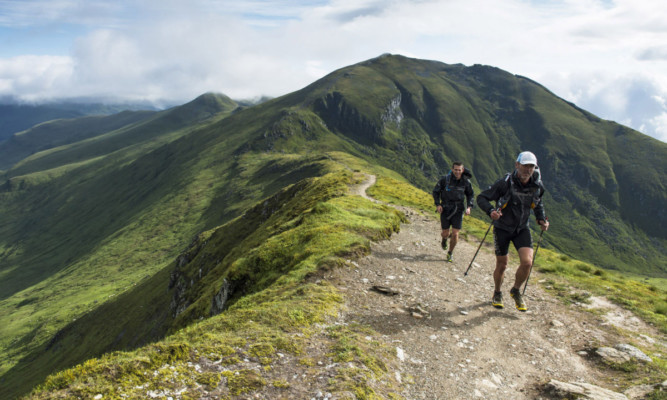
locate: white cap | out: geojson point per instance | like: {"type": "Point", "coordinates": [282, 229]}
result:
{"type": "Point", "coordinates": [526, 157]}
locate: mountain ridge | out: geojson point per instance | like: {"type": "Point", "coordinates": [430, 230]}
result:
{"type": "Point", "coordinates": [118, 209]}
{"type": "Point", "coordinates": [515, 123]}
{"type": "Point", "coordinates": [389, 341]}
{"type": "Point", "coordinates": [17, 116]}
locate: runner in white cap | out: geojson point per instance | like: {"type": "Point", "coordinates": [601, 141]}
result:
{"type": "Point", "coordinates": [515, 195]}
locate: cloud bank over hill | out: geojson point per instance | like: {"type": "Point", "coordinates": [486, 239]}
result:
{"type": "Point", "coordinates": [606, 57]}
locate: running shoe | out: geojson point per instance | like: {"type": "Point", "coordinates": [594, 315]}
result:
{"type": "Point", "coordinates": [444, 243]}
{"type": "Point", "coordinates": [449, 258]}
{"type": "Point", "coordinates": [497, 300]}
{"type": "Point", "coordinates": [518, 299]}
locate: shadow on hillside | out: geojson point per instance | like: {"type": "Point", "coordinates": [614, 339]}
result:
{"type": "Point", "coordinates": [390, 324]}
{"type": "Point", "coordinates": [67, 221]}
{"type": "Point", "coordinates": [131, 320]}
{"type": "Point", "coordinates": [267, 181]}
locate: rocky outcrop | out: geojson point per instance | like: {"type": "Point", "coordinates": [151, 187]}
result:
{"type": "Point", "coordinates": [622, 353]}
{"type": "Point", "coordinates": [220, 299]}
{"type": "Point", "coordinates": [346, 119]}
{"type": "Point", "coordinates": [641, 391]}
{"type": "Point", "coordinates": [587, 391]}
{"type": "Point", "coordinates": [180, 281]}
{"type": "Point", "coordinates": [393, 113]}
{"type": "Point", "coordinates": [582, 390]}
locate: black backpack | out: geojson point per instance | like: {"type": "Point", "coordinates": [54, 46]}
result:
{"type": "Point", "coordinates": [537, 178]}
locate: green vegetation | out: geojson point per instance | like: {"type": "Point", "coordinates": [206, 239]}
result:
{"type": "Point", "coordinates": [156, 221]}
{"type": "Point", "coordinates": [575, 281]}
{"type": "Point", "coordinates": [392, 191]}
{"type": "Point", "coordinates": [564, 273]}
{"type": "Point", "coordinates": [96, 250]}
{"type": "Point", "coordinates": [277, 316]}
{"type": "Point", "coordinates": [288, 313]}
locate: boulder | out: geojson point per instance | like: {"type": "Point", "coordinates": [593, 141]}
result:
{"type": "Point", "coordinates": [639, 392]}
{"type": "Point", "coordinates": [633, 352]}
{"type": "Point", "coordinates": [582, 390]}
{"type": "Point", "coordinates": [613, 355]}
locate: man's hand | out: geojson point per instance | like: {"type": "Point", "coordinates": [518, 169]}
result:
{"type": "Point", "coordinates": [439, 209]}
{"type": "Point", "coordinates": [495, 215]}
{"type": "Point", "coordinates": [544, 225]}
{"type": "Point", "coordinates": [468, 211]}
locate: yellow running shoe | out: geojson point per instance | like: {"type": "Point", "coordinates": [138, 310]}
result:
{"type": "Point", "coordinates": [497, 300]}
{"type": "Point", "coordinates": [518, 299]}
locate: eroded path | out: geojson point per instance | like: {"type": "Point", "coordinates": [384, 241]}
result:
{"type": "Point", "coordinates": [452, 344]}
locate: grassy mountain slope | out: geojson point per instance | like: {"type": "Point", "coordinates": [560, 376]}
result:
{"type": "Point", "coordinates": [15, 118]}
{"type": "Point", "coordinates": [273, 309]}
{"type": "Point", "coordinates": [89, 220]}
{"type": "Point", "coordinates": [604, 180]}
{"type": "Point", "coordinates": [94, 188]}
{"type": "Point", "coordinates": [276, 243]}
{"type": "Point", "coordinates": [62, 132]}
{"type": "Point", "coordinates": [78, 234]}
{"type": "Point", "coordinates": [118, 223]}
{"type": "Point", "coordinates": [81, 140]}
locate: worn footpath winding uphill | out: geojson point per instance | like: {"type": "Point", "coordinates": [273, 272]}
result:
{"type": "Point", "coordinates": [450, 342]}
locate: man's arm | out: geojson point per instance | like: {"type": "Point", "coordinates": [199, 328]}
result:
{"type": "Point", "coordinates": [470, 195]}
{"type": "Point", "coordinates": [540, 214]}
{"type": "Point", "coordinates": [437, 190]}
{"type": "Point", "coordinates": [492, 193]}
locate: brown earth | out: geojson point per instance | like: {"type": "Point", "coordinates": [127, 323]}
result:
{"type": "Point", "coordinates": [435, 331]}
{"type": "Point", "coordinates": [450, 342]}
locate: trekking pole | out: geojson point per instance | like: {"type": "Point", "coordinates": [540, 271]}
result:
{"type": "Point", "coordinates": [480, 246]}
{"type": "Point", "coordinates": [533, 262]}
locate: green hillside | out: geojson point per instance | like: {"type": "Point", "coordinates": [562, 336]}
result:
{"type": "Point", "coordinates": [62, 132]}
{"type": "Point", "coordinates": [604, 181]}
{"type": "Point", "coordinates": [18, 116]}
{"type": "Point", "coordinates": [252, 291]}
{"type": "Point", "coordinates": [96, 231]}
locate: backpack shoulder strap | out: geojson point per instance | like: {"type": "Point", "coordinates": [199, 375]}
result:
{"type": "Point", "coordinates": [448, 177]}
{"type": "Point", "coordinates": [502, 202]}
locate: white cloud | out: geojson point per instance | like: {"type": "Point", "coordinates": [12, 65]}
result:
{"type": "Point", "coordinates": [635, 100]}
{"type": "Point", "coordinates": [33, 78]}
{"type": "Point", "coordinates": [659, 126]}
{"type": "Point", "coordinates": [607, 57]}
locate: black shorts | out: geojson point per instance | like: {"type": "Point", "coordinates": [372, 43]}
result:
{"type": "Point", "coordinates": [451, 217]}
{"type": "Point", "coordinates": [502, 238]}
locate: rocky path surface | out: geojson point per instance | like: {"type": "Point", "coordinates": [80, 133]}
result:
{"type": "Point", "coordinates": [451, 343]}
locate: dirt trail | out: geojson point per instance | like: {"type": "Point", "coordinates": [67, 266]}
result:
{"type": "Point", "coordinates": [451, 342]}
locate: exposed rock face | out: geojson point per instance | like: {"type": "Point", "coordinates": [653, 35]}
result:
{"type": "Point", "coordinates": [622, 353]}
{"type": "Point", "coordinates": [640, 392]}
{"type": "Point", "coordinates": [612, 355]}
{"type": "Point", "coordinates": [220, 298]}
{"type": "Point", "coordinates": [582, 390]}
{"type": "Point", "coordinates": [633, 352]}
{"type": "Point", "coordinates": [393, 113]}
{"type": "Point", "coordinates": [345, 118]}
{"type": "Point", "coordinates": [178, 279]}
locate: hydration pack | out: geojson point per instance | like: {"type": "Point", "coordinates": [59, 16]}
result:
{"type": "Point", "coordinates": [535, 190]}
{"type": "Point", "coordinates": [466, 175]}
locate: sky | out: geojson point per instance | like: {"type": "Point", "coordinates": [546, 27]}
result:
{"type": "Point", "coordinates": [608, 57]}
